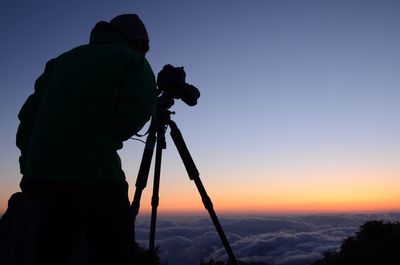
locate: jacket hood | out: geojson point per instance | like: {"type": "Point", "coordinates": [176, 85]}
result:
{"type": "Point", "coordinates": [105, 33]}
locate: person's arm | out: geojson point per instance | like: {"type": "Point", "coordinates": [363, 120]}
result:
{"type": "Point", "coordinates": [137, 99]}
{"type": "Point", "coordinates": [27, 116]}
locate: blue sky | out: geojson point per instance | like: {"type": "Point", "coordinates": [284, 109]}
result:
{"type": "Point", "coordinates": [299, 106]}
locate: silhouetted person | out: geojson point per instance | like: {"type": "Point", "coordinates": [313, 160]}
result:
{"type": "Point", "coordinates": [85, 104]}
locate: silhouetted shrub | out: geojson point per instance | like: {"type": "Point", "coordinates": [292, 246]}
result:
{"type": "Point", "coordinates": [376, 243]}
{"type": "Point", "coordinates": [143, 257]}
{"type": "Point", "coordinates": [213, 262]}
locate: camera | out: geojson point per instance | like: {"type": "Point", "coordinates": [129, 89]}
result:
{"type": "Point", "coordinates": [172, 85]}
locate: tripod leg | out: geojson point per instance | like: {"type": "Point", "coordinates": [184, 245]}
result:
{"type": "Point", "coordinates": [161, 144]}
{"type": "Point", "coordinates": [143, 174]}
{"type": "Point", "coordinates": [194, 175]}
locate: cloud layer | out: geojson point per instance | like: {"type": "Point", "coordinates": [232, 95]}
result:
{"type": "Point", "coordinates": [284, 240]}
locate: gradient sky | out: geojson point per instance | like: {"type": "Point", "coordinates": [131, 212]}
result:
{"type": "Point", "coordinates": [300, 99]}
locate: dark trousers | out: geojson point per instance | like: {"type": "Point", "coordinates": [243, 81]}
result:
{"type": "Point", "coordinates": [100, 212]}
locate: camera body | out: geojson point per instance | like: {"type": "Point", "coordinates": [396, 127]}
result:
{"type": "Point", "coordinates": [171, 84]}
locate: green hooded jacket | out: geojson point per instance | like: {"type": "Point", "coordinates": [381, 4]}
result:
{"type": "Point", "coordinates": [86, 103]}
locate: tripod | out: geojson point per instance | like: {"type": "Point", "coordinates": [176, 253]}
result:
{"type": "Point", "coordinates": [158, 127]}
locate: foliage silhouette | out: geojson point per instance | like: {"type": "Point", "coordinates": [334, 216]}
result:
{"type": "Point", "coordinates": [143, 257]}
{"type": "Point", "coordinates": [376, 243]}
{"type": "Point", "coordinates": [213, 262]}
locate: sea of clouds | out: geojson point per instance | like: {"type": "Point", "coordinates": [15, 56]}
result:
{"type": "Point", "coordinates": [276, 240]}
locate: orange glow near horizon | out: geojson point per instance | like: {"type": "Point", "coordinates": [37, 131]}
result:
{"type": "Point", "coordinates": [300, 202]}
{"type": "Point", "coordinates": [278, 207]}
{"type": "Point", "coordinates": [259, 204]}
{"type": "Point", "coordinates": [316, 193]}
{"type": "Point", "coordinates": [298, 195]}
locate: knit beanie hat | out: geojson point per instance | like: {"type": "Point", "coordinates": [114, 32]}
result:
{"type": "Point", "coordinates": [131, 26]}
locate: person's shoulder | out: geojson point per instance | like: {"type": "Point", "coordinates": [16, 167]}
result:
{"type": "Point", "coordinates": [73, 50]}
